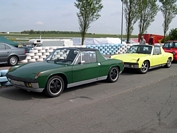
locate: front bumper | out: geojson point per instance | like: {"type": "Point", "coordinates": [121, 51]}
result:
{"type": "Point", "coordinates": [131, 65]}
{"type": "Point", "coordinates": [26, 84]}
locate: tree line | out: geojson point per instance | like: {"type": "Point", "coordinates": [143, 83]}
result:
{"type": "Point", "coordinates": [50, 32]}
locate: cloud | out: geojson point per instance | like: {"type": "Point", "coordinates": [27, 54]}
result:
{"type": "Point", "coordinates": [39, 23]}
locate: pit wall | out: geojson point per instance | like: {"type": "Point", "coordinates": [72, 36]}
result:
{"type": "Point", "coordinates": [38, 54]}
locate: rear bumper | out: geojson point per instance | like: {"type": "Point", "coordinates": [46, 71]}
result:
{"type": "Point", "coordinates": [22, 57]}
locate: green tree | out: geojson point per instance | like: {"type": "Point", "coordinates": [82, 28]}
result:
{"type": "Point", "coordinates": [88, 13]}
{"type": "Point", "coordinates": [169, 11]}
{"type": "Point", "coordinates": [173, 34]}
{"type": "Point", "coordinates": [131, 16]}
{"type": "Point", "coordinates": [147, 11]}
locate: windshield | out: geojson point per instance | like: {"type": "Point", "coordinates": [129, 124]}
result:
{"type": "Point", "coordinates": [140, 49]}
{"type": "Point", "coordinates": [63, 55]}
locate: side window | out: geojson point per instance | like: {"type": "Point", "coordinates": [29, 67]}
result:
{"type": "Point", "coordinates": [157, 51]}
{"type": "Point", "coordinates": [175, 44]}
{"type": "Point", "coordinates": [85, 57]}
{"type": "Point", "coordinates": [7, 47]}
{"type": "Point", "coordinates": [2, 47]}
{"type": "Point", "coordinates": [89, 56]}
{"type": "Point", "coordinates": [93, 57]}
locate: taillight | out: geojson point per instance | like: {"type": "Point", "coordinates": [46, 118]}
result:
{"type": "Point", "coordinates": [24, 51]}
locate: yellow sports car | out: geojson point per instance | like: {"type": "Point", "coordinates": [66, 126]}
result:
{"type": "Point", "coordinates": [145, 57]}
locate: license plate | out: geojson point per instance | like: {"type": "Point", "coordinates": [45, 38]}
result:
{"type": "Point", "coordinates": [17, 82]}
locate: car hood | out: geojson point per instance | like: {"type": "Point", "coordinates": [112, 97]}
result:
{"type": "Point", "coordinates": [30, 70]}
{"type": "Point", "coordinates": [129, 57]}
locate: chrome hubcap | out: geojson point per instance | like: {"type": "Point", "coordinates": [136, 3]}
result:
{"type": "Point", "coordinates": [144, 67]}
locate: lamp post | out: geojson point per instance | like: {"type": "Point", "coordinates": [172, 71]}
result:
{"type": "Point", "coordinates": [122, 22]}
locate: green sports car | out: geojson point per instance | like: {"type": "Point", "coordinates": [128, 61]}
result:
{"type": "Point", "coordinates": [65, 68]}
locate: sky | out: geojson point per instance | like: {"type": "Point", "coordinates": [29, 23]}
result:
{"type": "Point", "coordinates": [60, 15]}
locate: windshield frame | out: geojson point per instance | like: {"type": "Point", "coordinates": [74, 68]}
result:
{"type": "Point", "coordinates": [67, 53]}
{"type": "Point", "coordinates": [140, 49]}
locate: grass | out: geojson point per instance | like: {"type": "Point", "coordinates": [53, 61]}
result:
{"type": "Point", "coordinates": [18, 37]}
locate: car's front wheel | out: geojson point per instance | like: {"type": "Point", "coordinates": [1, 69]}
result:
{"type": "Point", "coordinates": [55, 86]}
{"type": "Point", "coordinates": [13, 60]}
{"type": "Point", "coordinates": [113, 74]}
{"type": "Point", "coordinates": [145, 67]}
{"type": "Point", "coordinates": [168, 64]}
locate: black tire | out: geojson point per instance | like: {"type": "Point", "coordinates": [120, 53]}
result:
{"type": "Point", "coordinates": [13, 60]}
{"type": "Point", "coordinates": [54, 87]}
{"type": "Point", "coordinates": [169, 62]}
{"type": "Point", "coordinates": [113, 74]}
{"type": "Point", "coordinates": [144, 68]}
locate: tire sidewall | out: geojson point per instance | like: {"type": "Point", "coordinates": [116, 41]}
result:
{"type": "Point", "coordinates": [143, 72]}
{"type": "Point", "coordinates": [109, 75]}
{"type": "Point", "coordinates": [47, 89]}
{"type": "Point", "coordinates": [168, 65]}
{"type": "Point", "coordinates": [12, 57]}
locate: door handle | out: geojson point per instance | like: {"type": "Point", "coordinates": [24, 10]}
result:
{"type": "Point", "coordinates": [99, 64]}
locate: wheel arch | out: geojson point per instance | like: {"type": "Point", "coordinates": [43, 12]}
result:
{"type": "Point", "coordinates": [114, 66]}
{"type": "Point", "coordinates": [13, 55]}
{"type": "Point", "coordinates": [63, 76]}
{"type": "Point", "coordinates": [148, 62]}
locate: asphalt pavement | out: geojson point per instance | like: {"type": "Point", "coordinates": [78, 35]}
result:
{"type": "Point", "coordinates": [136, 103]}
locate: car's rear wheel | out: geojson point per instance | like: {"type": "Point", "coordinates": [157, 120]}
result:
{"type": "Point", "coordinates": [113, 74]}
{"type": "Point", "coordinates": [168, 64]}
{"type": "Point", "coordinates": [13, 60]}
{"type": "Point", "coordinates": [55, 86]}
{"type": "Point", "coordinates": [145, 67]}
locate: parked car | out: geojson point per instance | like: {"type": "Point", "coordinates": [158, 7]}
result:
{"type": "Point", "coordinates": [171, 47]}
{"type": "Point", "coordinates": [145, 57]}
{"type": "Point", "coordinates": [65, 68]}
{"type": "Point", "coordinates": [10, 54]}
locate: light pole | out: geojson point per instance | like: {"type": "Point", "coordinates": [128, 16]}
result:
{"type": "Point", "coordinates": [122, 22]}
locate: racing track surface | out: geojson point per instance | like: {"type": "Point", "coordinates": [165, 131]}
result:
{"type": "Point", "coordinates": [136, 103]}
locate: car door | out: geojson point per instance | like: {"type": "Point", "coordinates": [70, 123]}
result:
{"type": "Point", "coordinates": [168, 46]}
{"type": "Point", "coordinates": [4, 52]}
{"type": "Point", "coordinates": [157, 57]}
{"type": "Point", "coordinates": [86, 67]}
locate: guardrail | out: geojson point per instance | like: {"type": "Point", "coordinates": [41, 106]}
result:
{"type": "Point", "coordinates": [3, 78]}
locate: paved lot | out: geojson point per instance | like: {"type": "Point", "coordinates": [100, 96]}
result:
{"type": "Point", "coordinates": [137, 103]}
